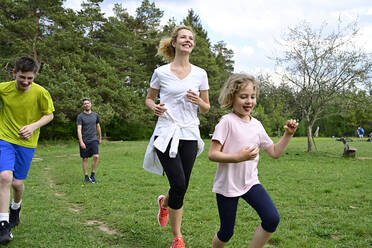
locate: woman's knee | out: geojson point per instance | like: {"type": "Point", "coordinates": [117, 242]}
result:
{"type": "Point", "coordinates": [176, 196]}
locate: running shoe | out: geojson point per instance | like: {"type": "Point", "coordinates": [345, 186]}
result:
{"type": "Point", "coordinates": [87, 179]}
{"type": "Point", "coordinates": [163, 212]}
{"type": "Point", "coordinates": [5, 233]}
{"type": "Point", "coordinates": [178, 243]}
{"type": "Point", "coordinates": [93, 179]}
{"type": "Point", "coordinates": [14, 217]}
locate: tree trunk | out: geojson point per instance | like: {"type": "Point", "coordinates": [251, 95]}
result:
{"type": "Point", "coordinates": [309, 138]}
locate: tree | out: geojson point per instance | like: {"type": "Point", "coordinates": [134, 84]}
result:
{"type": "Point", "coordinates": [277, 104]}
{"type": "Point", "coordinates": [319, 64]}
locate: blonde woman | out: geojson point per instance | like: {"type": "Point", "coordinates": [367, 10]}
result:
{"type": "Point", "coordinates": [183, 90]}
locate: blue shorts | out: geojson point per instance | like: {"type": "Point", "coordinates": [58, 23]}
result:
{"type": "Point", "coordinates": [91, 149]}
{"type": "Point", "coordinates": [15, 158]}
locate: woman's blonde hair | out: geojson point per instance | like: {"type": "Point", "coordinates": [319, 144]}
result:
{"type": "Point", "coordinates": [166, 50]}
{"type": "Point", "coordinates": [233, 85]}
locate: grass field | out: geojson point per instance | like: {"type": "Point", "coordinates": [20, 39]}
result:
{"type": "Point", "coordinates": [324, 200]}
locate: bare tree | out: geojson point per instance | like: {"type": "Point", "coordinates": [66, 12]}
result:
{"type": "Point", "coordinates": [318, 64]}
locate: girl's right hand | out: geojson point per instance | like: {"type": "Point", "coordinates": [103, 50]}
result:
{"type": "Point", "coordinates": [159, 109]}
{"type": "Point", "coordinates": [247, 153]}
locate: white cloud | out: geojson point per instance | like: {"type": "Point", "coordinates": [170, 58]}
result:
{"type": "Point", "coordinates": [73, 4]}
{"type": "Point", "coordinates": [364, 40]}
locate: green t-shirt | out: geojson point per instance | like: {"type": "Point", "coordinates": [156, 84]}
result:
{"type": "Point", "coordinates": [20, 109]}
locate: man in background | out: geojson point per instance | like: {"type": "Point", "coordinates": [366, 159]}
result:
{"type": "Point", "coordinates": [89, 134]}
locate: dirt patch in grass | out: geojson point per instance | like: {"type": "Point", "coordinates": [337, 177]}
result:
{"type": "Point", "coordinates": [75, 208]}
{"type": "Point", "coordinates": [364, 158]}
{"type": "Point", "coordinates": [336, 237]}
{"type": "Point", "coordinates": [102, 226]}
{"type": "Point", "coordinates": [60, 194]}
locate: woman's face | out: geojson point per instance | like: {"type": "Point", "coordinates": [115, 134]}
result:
{"type": "Point", "coordinates": [184, 42]}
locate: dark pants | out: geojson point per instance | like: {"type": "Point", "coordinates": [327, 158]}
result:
{"type": "Point", "coordinates": [178, 170]}
{"type": "Point", "coordinates": [259, 199]}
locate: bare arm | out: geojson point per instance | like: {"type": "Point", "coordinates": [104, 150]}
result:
{"type": "Point", "coordinates": [276, 150]}
{"type": "Point", "coordinates": [202, 101]}
{"type": "Point", "coordinates": [215, 154]}
{"type": "Point", "coordinates": [26, 131]}
{"type": "Point", "coordinates": [99, 134]}
{"type": "Point", "coordinates": [80, 137]}
{"type": "Point", "coordinates": [158, 109]}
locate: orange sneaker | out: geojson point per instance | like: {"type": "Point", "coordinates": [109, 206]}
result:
{"type": "Point", "coordinates": [163, 212]}
{"type": "Point", "coordinates": [178, 243]}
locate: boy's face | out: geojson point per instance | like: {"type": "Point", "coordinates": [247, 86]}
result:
{"type": "Point", "coordinates": [24, 80]}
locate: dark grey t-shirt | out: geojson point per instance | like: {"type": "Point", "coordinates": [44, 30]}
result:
{"type": "Point", "coordinates": [88, 124]}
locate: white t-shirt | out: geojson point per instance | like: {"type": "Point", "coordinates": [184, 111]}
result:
{"type": "Point", "coordinates": [233, 133]}
{"type": "Point", "coordinates": [172, 91]}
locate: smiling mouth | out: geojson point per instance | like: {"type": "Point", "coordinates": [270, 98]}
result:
{"type": "Point", "coordinates": [247, 108]}
{"type": "Point", "coordinates": [25, 85]}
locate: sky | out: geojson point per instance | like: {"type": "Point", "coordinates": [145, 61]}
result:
{"type": "Point", "coordinates": [252, 28]}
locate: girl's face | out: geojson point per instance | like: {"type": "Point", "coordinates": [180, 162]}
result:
{"type": "Point", "coordinates": [184, 42]}
{"type": "Point", "coordinates": [244, 101]}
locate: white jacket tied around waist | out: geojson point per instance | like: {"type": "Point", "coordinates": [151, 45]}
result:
{"type": "Point", "coordinates": [168, 129]}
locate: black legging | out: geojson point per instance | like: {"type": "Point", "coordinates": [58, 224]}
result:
{"type": "Point", "coordinates": [259, 199]}
{"type": "Point", "coordinates": [178, 170]}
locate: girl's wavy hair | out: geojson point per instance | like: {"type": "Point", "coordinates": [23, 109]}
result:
{"type": "Point", "coordinates": [233, 85]}
{"type": "Point", "coordinates": [166, 50]}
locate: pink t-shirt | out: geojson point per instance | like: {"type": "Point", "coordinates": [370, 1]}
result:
{"type": "Point", "coordinates": [235, 179]}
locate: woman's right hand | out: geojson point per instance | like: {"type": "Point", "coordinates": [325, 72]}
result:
{"type": "Point", "coordinates": [247, 153]}
{"type": "Point", "coordinates": [159, 109]}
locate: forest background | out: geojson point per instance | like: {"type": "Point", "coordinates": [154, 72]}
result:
{"type": "Point", "coordinates": [111, 60]}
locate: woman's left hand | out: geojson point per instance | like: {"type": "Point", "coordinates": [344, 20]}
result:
{"type": "Point", "coordinates": [193, 97]}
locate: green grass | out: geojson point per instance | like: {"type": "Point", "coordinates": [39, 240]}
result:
{"type": "Point", "coordinates": [324, 200]}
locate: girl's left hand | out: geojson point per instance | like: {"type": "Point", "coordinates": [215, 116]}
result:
{"type": "Point", "coordinates": [193, 97]}
{"type": "Point", "coordinates": [291, 126]}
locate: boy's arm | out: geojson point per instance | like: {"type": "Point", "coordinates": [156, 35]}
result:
{"type": "Point", "coordinates": [276, 150]}
{"type": "Point", "coordinates": [26, 131]}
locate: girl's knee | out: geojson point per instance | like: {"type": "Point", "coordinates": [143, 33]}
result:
{"type": "Point", "coordinates": [270, 224]}
{"type": "Point", "coordinates": [225, 235]}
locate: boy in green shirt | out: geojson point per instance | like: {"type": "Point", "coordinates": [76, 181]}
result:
{"type": "Point", "coordinates": [27, 106]}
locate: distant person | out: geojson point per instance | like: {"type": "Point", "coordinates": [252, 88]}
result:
{"type": "Point", "coordinates": [26, 107]}
{"type": "Point", "coordinates": [89, 134]}
{"type": "Point", "coordinates": [360, 133]}
{"type": "Point", "coordinates": [183, 89]}
{"type": "Point", "coordinates": [235, 145]}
